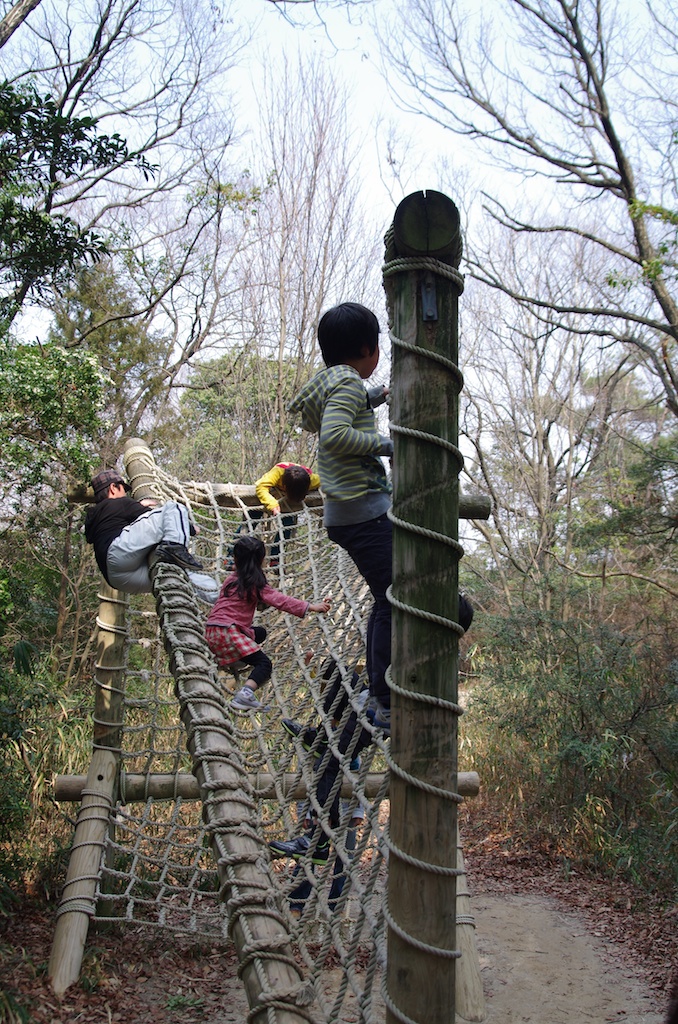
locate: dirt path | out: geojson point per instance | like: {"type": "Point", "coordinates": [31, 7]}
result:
{"type": "Point", "coordinates": [541, 964]}
{"type": "Point", "coordinates": [555, 947]}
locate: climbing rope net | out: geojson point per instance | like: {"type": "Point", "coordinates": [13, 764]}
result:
{"type": "Point", "coordinates": [157, 867]}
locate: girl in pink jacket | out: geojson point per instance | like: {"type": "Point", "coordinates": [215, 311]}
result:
{"type": "Point", "coordinates": [229, 631]}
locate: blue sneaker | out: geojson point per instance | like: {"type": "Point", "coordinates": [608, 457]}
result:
{"type": "Point", "coordinates": [378, 716]}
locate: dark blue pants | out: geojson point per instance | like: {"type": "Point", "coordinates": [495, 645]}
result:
{"type": "Point", "coordinates": [299, 895]}
{"type": "Point", "coordinates": [288, 523]}
{"type": "Point", "coordinates": [370, 545]}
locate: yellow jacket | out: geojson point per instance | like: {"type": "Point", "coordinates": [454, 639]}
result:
{"type": "Point", "coordinates": [271, 480]}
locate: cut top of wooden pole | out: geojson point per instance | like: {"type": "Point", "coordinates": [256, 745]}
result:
{"type": "Point", "coordinates": [427, 224]}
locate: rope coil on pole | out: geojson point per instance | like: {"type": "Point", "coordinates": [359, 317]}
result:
{"type": "Point", "coordinates": [422, 282]}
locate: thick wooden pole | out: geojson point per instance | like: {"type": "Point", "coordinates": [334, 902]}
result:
{"type": "Point", "coordinates": [471, 506]}
{"type": "Point", "coordinates": [422, 286]}
{"type": "Point", "coordinates": [77, 904]}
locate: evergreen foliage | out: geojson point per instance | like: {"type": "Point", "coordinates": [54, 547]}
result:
{"type": "Point", "coordinates": [225, 416]}
{"type": "Point", "coordinates": [40, 147]}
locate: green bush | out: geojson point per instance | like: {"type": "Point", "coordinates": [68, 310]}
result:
{"type": "Point", "coordinates": [41, 732]}
{"type": "Point", "coordinates": [573, 728]}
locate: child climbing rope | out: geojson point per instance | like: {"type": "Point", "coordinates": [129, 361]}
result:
{"type": "Point", "coordinates": [229, 631]}
{"type": "Point", "coordinates": [285, 480]}
{"type": "Point", "coordinates": [350, 742]}
{"type": "Point", "coordinates": [336, 405]}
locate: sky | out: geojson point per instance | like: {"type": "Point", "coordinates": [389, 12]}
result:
{"type": "Point", "coordinates": [352, 51]}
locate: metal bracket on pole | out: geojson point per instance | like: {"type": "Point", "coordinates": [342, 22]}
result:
{"type": "Point", "coordinates": [429, 306]}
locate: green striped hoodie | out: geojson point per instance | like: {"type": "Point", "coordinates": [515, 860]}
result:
{"type": "Point", "coordinates": [336, 405]}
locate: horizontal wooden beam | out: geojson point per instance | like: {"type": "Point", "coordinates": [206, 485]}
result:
{"type": "Point", "coordinates": [471, 506]}
{"type": "Point", "coordinates": [137, 788]}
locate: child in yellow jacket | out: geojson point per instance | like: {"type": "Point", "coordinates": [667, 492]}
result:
{"type": "Point", "coordinates": [286, 480]}
{"type": "Point", "coordinates": [289, 481]}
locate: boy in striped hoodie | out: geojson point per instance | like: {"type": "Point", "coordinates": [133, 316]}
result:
{"type": "Point", "coordinates": [336, 405]}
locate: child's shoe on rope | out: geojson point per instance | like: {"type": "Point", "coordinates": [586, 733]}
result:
{"type": "Point", "coordinates": [299, 847]}
{"type": "Point", "coordinates": [177, 554]}
{"type": "Point", "coordinates": [306, 735]}
{"type": "Point", "coordinates": [245, 700]}
{"type": "Point", "coordinates": [378, 716]}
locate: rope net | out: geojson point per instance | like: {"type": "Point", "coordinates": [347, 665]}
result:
{"type": "Point", "coordinates": [157, 865]}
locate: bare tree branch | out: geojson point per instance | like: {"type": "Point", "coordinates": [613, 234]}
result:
{"type": "Point", "coordinates": [15, 17]}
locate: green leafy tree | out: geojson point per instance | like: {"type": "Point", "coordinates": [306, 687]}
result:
{"type": "Point", "coordinates": [41, 148]}
{"type": "Point", "coordinates": [225, 420]}
{"type": "Point", "coordinates": [95, 318]}
{"type": "Point", "coordinates": [50, 400]}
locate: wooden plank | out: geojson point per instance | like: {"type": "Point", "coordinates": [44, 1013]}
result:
{"type": "Point", "coordinates": [469, 988]}
{"type": "Point", "coordinates": [471, 506]}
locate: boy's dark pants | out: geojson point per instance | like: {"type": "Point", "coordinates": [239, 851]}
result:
{"type": "Point", "coordinates": [370, 545]}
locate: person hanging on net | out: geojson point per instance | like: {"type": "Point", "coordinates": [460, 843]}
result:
{"type": "Point", "coordinates": [353, 816]}
{"type": "Point", "coordinates": [285, 480]}
{"type": "Point", "coordinates": [229, 631]}
{"type": "Point", "coordinates": [124, 532]}
{"type": "Point", "coordinates": [357, 493]}
{"type": "Point", "coordinates": [343, 691]}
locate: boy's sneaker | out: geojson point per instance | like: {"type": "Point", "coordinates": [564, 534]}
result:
{"type": "Point", "coordinates": [306, 735]}
{"type": "Point", "coordinates": [177, 554]}
{"type": "Point", "coordinates": [245, 700]}
{"type": "Point", "coordinates": [378, 716]}
{"type": "Point", "coordinates": [299, 847]}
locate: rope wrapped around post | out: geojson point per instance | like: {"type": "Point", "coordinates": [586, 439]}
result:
{"type": "Point", "coordinates": [422, 283]}
{"type": "Point", "coordinates": [276, 989]}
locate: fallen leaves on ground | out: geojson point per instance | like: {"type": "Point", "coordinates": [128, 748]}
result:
{"type": "Point", "coordinates": [136, 975]}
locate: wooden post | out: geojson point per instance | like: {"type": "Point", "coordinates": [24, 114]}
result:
{"type": "Point", "coordinates": [422, 287]}
{"type": "Point", "coordinates": [469, 988]}
{"type": "Point", "coordinates": [471, 506]}
{"type": "Point", "coordinates": [77, 904]}
{"type": "Point", "coordinates": [272, 981]}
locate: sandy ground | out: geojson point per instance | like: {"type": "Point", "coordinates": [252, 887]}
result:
{"type": "Point", "coordinates": [540, 965]}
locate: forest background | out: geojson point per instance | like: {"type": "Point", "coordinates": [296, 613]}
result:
{"type": "Point", "coordinates": [178, 206]}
